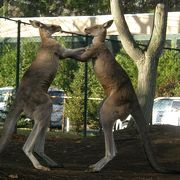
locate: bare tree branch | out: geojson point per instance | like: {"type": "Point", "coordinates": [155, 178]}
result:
{"type": "Point", "coordinates": [158, 36]}
{"type": "Point", "coordinates": [127, 40]}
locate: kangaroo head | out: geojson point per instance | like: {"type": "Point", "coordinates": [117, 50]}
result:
{"type": "Point", "coordinates": [98, 30]}
{"type": "Point", "coordinates": [46, 30]}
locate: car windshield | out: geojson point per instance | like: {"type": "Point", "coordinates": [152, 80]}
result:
{"type": "Point", "coordinates": [162, 105]}
{"type": "Point", "coordinates": [56, 93]}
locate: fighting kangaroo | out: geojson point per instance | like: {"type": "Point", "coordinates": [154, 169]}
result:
{"type": "Point", "coordinates": [120, 100]}
{"type": "Point", "coordinates": [32, 98]}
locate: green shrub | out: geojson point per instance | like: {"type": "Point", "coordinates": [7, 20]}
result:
{"type": "Point", "coordinates": [168, 74]}
{"type": "Point", "coordinates": [70, 78]}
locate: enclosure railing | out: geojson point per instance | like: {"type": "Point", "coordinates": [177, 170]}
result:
{"type": "Point", "coordinates": [87, 40]}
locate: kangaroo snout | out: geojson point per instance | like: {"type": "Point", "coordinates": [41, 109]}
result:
{"type": "Point", "coordinates": [59, 29]}
{"type": "Point", "coordinates": [86, 30]}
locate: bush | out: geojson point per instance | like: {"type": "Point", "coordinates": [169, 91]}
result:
{"type": "Point", "coordinates": [70, 78]}
{"type": "Point", "coordinates": [24, 122]}
{"type": "Point", "coordinates": [8, 66]}
{"type": "Point", "coordinates": [168, 74]}
{"type": "Point", "coordinates": [75, 106]}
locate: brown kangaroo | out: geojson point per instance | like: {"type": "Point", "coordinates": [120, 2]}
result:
{"type": "Point", "coordinates": [32, 97]}
{"type": "Point", "coordinates": [121, 99]}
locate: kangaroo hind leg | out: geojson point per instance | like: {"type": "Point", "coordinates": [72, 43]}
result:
{"type": "Point", "coordinates": [29, 145]}
{"type": "Point", "coordinates": [107, 120]}
{"type": "Point", "coordinates": [39, 150]}
{"type": "Point", "coordinates": [39, 145]}
{"type": "Point", "coordinates": [36, 138]}
{"type": "Point", "coordinates": [9, 124]}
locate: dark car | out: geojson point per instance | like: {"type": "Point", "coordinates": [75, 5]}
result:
{"type": "Point", "coordinates": [57, 115]}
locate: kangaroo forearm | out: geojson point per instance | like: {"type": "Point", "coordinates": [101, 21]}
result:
{"type": "Point", "coordinates": [79, 54]}
{"type": "Point", "coordinates": [68, 53]}
{"type": "Point", "coordinates": [80, 58]}
{"type": "Point", "coordinates": [72, 53]}
{"type": "Point", "coordinates": [87, 55]}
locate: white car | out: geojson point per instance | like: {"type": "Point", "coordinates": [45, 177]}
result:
{"type": "Point", "coordinates": [166, 110]}
{"type": "Point", "coordinates": [5, 94]}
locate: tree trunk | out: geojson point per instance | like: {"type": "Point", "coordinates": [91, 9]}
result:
{"type": "Point", "coordinates": [146, 87]}
{"type": "Point", "coordinates": [145, 60]}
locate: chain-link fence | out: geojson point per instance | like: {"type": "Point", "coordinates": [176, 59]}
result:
{"type": "Point", "coordinates": [73, 78]}
{"type": "Point", "coordinates": [82, 91]}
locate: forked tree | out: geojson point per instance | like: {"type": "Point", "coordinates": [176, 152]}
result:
{"type": "Point", "coordinates": [146, 60]}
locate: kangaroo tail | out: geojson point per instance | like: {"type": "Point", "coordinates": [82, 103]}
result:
{"type": "Point", "coordinates": [143, 131]}
{"type": "Point", "coordinates": [9, 125]}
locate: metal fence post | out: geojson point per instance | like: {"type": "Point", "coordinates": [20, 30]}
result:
{"type": "Point", "coordinates": [18, 53]}
{"type": "Point", "coordinates": [85, 93]}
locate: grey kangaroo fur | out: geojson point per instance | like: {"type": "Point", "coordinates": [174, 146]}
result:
{"type": "Point", "coordinates": [120, 101]}
{"type": "Point", "coordinates": [32, 98]}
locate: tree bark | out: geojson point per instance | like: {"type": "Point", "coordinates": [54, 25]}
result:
{"type": "Point", "coordinates": [146, 87]}
{"type": "Point", "coordinates": [145, 60]}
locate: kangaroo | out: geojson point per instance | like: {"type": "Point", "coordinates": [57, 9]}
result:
{"type": "Point", "coordinates": [32, 98]}
{"type": "Point", "coordinates": [121, 99]}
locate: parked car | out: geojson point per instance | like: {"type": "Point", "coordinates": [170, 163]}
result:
{"type": "Point", "coordinates": [5, 94]}
{"type": "Point", "coordinates": [57, 115]}
{"type": "Point", "coordinates": [166, 110]}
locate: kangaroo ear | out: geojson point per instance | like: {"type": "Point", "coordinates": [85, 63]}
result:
{"type": "Point", "coordinates": [36, 24]}
{"type": "Point", "coordinates": [108, 24]}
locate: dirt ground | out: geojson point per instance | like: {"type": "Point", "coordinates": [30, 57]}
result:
{"type": "Point", "coordinates": [77, 154]}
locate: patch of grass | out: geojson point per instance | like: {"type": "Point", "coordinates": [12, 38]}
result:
{"type": "Point", "coordinates": [55, 133]}
{"type": "Point", "coordinates": [23, 131]}
{"type": "Point", "coordinates": [50, 134]}
{"type": "Point", "coordinates": [60, 134]}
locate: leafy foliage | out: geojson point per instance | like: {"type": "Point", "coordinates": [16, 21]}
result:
{"type": "Point", "coordinates": [33, 8]}
{"type": "Point", "coordinates": [75, 105]}
{"type": "Point", "coordinates": [28, 53]}
{"type": "Point", "coordinates": [168, 77]}
{"type": "Point", "coordinates": [70, 78]}
{"type": "Point", "coordinates": [8, 66]}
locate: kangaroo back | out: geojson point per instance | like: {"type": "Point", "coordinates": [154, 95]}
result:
{"type": "Point", "coordinates": [9, 125]}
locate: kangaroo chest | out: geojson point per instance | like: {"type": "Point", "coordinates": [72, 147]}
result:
{"type": "Point", "coordinates": [104, 71]}
{"type": "Point", "coordinates": [108, 72]}
{"type": "Point", "coordinates": [42, 71]}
